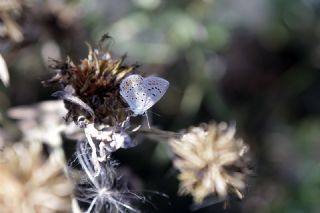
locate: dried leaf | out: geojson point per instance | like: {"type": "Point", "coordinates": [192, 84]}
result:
{"type": "Point", "coordinates": [74, 100]}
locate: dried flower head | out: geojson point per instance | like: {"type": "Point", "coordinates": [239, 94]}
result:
{"type": "Point", "coordinates": [91, 88]}
{"type": "Point", "coordinates": [31, 183]}
{"type": "Point", "coordinates": [211, 161]}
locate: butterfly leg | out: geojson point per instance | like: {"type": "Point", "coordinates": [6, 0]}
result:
{"type": "Point", "coordinates": [148, 123]}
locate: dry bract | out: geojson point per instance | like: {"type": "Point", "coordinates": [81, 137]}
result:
{"type": "Point", "coordinates": [30, 183]}
{"type": "Point", "coordinates": [211, 161]}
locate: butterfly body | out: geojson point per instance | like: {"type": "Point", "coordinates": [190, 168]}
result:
{"type": "Point", "coordinates": [142, 93]}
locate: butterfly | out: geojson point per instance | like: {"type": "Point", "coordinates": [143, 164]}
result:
{"type": "Point", "coordinates": [142, 93]}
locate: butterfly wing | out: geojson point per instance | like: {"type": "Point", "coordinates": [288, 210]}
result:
{"type": "Point", "coordinates": [133, 92]}
{"type": "Point", "coordinates": [155, 88]}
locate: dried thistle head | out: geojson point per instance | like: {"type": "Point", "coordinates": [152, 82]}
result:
{"type": "Point", "coordinates": [91, 88]}
{"type": "Point", "coordinates": [31, 183]}
{"type": "Point", "coordinates": [211, 161]}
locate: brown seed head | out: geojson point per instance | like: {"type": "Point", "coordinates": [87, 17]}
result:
{"type": "Point", "coordinates": [95, 83]}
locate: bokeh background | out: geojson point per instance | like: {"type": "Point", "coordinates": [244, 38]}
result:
{"type": "Point", "coordinates": [252, 62]}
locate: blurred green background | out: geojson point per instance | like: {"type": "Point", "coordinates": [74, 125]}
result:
{"type": "Point", "coordinates": [255, 62]}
